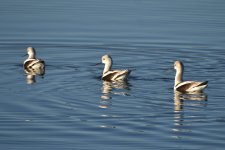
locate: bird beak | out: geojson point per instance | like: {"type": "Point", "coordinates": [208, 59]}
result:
{"type": "Point", "coordinates": [168, 70]}
{"type": "Point", "coordinates": [25, 55]}
{"type": "Point", "coordinates": [97, 64]}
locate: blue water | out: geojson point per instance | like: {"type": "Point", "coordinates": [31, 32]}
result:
{"type": "Point", "coordinates": [71, 108]}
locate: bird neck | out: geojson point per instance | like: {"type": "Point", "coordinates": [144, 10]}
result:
{"type": "Point", "coordinates": [107, 67]}
{"type": "Point", "coordinates": [178, 77]}
{"type": "Point", "coordinates": [31, 56]}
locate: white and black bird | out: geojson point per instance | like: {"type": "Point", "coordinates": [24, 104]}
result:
{"type": "Point", "coordinates": [113, 75]}
{"type": "Point", "coordinates": [186, 86]}
{"type": "Point", "coordinates": [33, 65]}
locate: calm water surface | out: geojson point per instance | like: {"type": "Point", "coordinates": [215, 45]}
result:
{"type": "Point", "coordinates": [71, 108]}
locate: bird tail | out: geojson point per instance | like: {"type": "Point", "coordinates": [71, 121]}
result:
{"type": "Point", "coordinates": [203, 83]}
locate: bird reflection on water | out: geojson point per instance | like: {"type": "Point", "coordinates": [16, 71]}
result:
{"type": "Point", "coordinates": [31, 74]}
{"type": "Point", "coordinates": [179, 99]}
{"type": "Point", "coordinates": [113, 88]}
{"type": "Point", "coordinates": [197, 100]}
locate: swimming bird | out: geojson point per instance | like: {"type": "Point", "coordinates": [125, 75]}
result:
{"type": "Point", "coordinates": [186, 86]}
{"type": "Point", "coordinates": [113, 75]}
{"type": "Point", "coordinates": [33, 65]}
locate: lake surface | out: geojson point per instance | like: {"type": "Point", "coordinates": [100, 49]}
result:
{"type": "Point", "coordinates": [70, 107]}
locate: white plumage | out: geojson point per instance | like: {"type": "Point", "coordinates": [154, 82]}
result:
{"type": "Point", "coordinates": [186, 86]}
{"type": "Point", "coordinates": [113, 75]}
{"type": "Point", "coordinates": [33, 65]}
